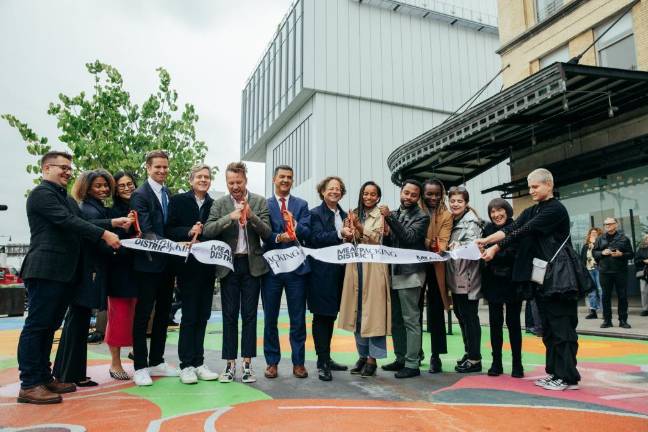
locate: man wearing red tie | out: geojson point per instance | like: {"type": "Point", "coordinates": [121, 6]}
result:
{"type": "Point", "coordinates": [290, 223]}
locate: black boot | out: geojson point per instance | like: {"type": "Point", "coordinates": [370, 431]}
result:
{"type": "Point", "coordinates": [435, 365]}
{"type": "Point", "coordinates": [324, 373]}
{"type": "Point", "coordinates": [368, 370]}
{"type": "Point", "coordinates": [357, 369]}
{"type": "Point", "coordinates": [496, 367]}
{"type": "Point", "coordinates": [592, 314]}
{"type": "Point", "coordinates": [518, 370]}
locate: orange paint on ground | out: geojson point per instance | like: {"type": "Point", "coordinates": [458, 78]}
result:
{"type": "Point", "coordinates": [348, 416]}
{"type": "Point", "coordinates": [591, 348]}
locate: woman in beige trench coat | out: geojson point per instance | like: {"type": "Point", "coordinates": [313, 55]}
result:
{"type": "Point", "coordinates": [370, 318]}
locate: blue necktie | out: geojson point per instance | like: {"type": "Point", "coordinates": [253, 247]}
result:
{"type": "Point", "coordinates": [165, 203]}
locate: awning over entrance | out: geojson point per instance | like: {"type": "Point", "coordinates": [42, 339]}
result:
{"type": "Point", "coordinates": [557, 101]}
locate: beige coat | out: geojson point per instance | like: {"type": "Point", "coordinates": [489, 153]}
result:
{"type": "Point", "coordinates": [376, 302]}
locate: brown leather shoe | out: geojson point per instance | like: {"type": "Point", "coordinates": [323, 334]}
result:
{"type": "Point", "coordinates": [59, 387]}
{"type": "Point", "coordinates": [300, 371]}
{"type": "Point", "coordinates": [271, 371]}
{"type": "Point", "coordinates": [39, 395]}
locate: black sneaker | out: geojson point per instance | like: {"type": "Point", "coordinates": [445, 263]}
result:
{"type": "Point", "coordinates": [334, 366]}
{"type": "Point", "coordinates": [435, 365]}
{"type": "Point", "coordinates": [407, 373]}
{"type": "Point", "coordinates": [394, 366]}
{"type": "Point", "coordinates": [469, 367]}
{"type": "Point", "coordinates": [591, 315]}
{"type": "Point", "coordinates": [606, 324]}
{"type": "Point", "coordinates": [462, 359]}
{"type": "Point", "coordinates": [357, 369]}
{"type": "Point", "coordinates": [624, 324]}
{"type": "Point", "coordinates": [368, 370]}
{"type": "Point", "coordinates": [644, 313]}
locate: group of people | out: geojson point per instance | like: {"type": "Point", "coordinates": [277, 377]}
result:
{"type": "Point", "coordinates": [75, 264]}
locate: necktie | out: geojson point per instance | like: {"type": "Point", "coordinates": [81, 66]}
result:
{"type": "Point", "coordinates": [165, 203]}
{"type": "Point", "coordinates": [283, 204]}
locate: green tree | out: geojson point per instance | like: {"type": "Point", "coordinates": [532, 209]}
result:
{"type": "Point", "coordinates": [107, 130]}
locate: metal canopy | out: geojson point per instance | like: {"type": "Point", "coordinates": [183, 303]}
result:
{"type": "Point", "coordinates": [557, 101]}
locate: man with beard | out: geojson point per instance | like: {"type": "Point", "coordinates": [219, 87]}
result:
{"type": "Point", "coordinates": [407, 230]}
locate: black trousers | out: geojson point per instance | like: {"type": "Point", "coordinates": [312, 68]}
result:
{"type": "Point", "coordinates": [610, 282]}
{"type": "Point", "coordinates": [195, 292]}
{"type": "Point", "coordinates": [71, 360]}
{"type": "Point", "coordinates": [155, 289]}
{"type": "Point", "coordinates": [240, 292]}
{"type": "Point", "coordinates": [322, 329]}
{"type": "Point", "coordinates": [496, 320]}
{"type": "Point", "coordinates": [466, 311]}
{"type": "Point", "coordinates": [435, 315]}
{"type": "Point", "coordinates": [559, 320]}
{"type": "Point", "coordinates": [46, 301]}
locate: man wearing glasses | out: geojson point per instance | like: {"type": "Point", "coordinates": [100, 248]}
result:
{"type": "Point", "coordinates": [49, 271]}
{"type": "Point", "coordinates": [612, 252]}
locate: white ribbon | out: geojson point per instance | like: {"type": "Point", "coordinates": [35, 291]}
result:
{"type": "Point", "coordinates": [209, 252]}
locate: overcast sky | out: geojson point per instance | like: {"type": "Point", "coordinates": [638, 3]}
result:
{"type": "Point", "coordinates": [209, 47]}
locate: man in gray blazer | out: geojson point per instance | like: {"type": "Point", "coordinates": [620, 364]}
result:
{"type": "Point", "coordinates": [241, 220]}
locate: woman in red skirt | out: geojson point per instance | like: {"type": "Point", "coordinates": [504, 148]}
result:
{"type": "Point", "coordinates": [122, 291]}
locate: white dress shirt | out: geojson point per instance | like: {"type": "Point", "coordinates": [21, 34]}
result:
{"type": "Point", "coordinates": [157, 189]}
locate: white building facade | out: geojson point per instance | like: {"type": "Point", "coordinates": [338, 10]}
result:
{"type": "Point", "coordinates": [345, 82]}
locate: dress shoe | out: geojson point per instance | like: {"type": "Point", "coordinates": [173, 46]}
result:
{"type": "Point", "coordinates": [95, 338]}
{"type": "Point", "coordinates": [299, 371]}
{"type": "Point", "coordinates": [60, 387]}
{"type": "Point", "coordinates": [39, 395]}
{"type": "Point", "coordinates": [435, 365]}
{"type": "Point", "coordinates": [495, 369]}
{"type": "Point", "coordinates": [462, 359]}
{"type": "Point", "coordinates": [324, 373]}
{"type": "Point", "coordinates": [368, 370]}
{"type": "Point", "coordinates": [624, 324]}
{"type": "Point", "coordinates": [469, 367]}
{"type": "Point", "coordinates": [87, 382]}
{"type": "Point", "coordinates": [408, 373]}
{"type": "Point", "coordinates": [334, 366]}
{"type": "Point", "coordinates": [644, 313]}
{"type": "Point", "coordinates": [606, 324]}
{"type": "Point", "coordinates": [394, 366]}
{"type": "Point", "coordinates": [271, 372]}
{"type": "Point", "coordinates": [357, 369]}
{"type": "Point", "coordinates": [591, 315]}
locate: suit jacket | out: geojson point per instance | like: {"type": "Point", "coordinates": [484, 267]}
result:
{"type": "Point", "coordinates": [324, 289]}
{"type": "Point", "coordinates": [220, 226]}
{"type": "Point", "coordinates": [183, 214]}
{"type": "Point", "coordinates": [56, 228]}
{"type": "Point", "coordinates": [121, 279]}
{"type": "Point", "coordinates": [151, 221]}
{"type": "Point", "coordinates": [299, 208]}
{"type": "Point", "coordinates": [408, 228]}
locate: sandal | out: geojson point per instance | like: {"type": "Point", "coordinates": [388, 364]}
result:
{"type": "Point", "coordinates": [122, 375]}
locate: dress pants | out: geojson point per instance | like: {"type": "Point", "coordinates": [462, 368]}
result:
{"type": "Point", "coordinates": [271, 290]}
{"type": "Point", "coordinates": [496, 321]}
{"type": "Point", "coordinates": [466, 312]}
{"type": "Point", "coordinates": [619, 282]}
{"type": "Point", "coordinates": [240, 292]}
{"type": "Point", "coordinates": [559, 320]}
{"type": "Point", "coordinates": [435, 315]}
{"type": "Point", "coordinates": [322, 329]}
{"type": "Point", "coordinates": [47, 301]}
{"type": "Point", "coordinates": [196, 291]}
{"type": "Point", "coordinates": [406, 325]}
{"type": "Point", "coordinates": [71, 360]}
{"type": "Point", "coordinates": [155, 289]}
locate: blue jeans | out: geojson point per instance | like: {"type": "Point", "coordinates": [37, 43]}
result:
{"type": "Point", "coordinates": [47, 302]}
{"type": "Point", "coordinates": [271, 290]}
{"type": "Point", "coordinates": [594, 297]}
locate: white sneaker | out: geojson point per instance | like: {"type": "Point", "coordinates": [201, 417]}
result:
{"type": "Point", "coordinates": [248, 374]}
{"type": "Point", "coordinates": [188, 376]}
{"type": "Point", "coordinates": [228, 374]}
{"type": "Point", "coordinates": [142, 377]}
{"type": "Point", "coordinates": [542, 381]}
{"type": "Point", "coordinates": [164, 369]}
{"type": "Point", "coordinates": [559, 385]}
{"type": "Point", "coordinates": [203, 373]}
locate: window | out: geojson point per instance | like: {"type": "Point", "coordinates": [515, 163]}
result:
{"type": "Point", "coordinates": [295, 150]}
{"type": "Point", "coordinates": [616, 48]}
{"type": "Point", "coordinates": [546, 8]}
{"type": "Point", "coordinates": [558, 55]}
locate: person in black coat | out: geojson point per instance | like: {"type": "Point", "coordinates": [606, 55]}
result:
{"type": "Point", "coordinates": [500, 291]}
{"type": "Point", "coordinates": [49, 270]}
{"type": "Point", "coordinates": [324, 287]}
{"type": "Point", "coordinates": [70, 364]}
{"type": "Point", "coordinates": [188, 212]}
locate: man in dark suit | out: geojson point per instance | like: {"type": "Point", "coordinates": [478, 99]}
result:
{"type": "Point", "coordinates": [152, 273]}
{"type": "Point", "coordinates": [294, 283]}
{"type": "Point", "coordinates": [241, 220]}
{"type": "Point", "coordinates": [187, 214]}
{"type": "Point", "coordinates": [50, 270]}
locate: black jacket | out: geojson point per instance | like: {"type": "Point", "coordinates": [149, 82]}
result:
{"type": "Point", "coordinates": [324, 288]}
{"type": "Point", "coordinates": [610, 264]}
{"type": "Point", "coordinates": [183, 214]}
{"type": "Point", "coordinates": [408, 228]}
{"type": "Point", "coordinates": [640, 255]}
{"type": "Point", "coordinates": [151, 221]}
{"type": "Point", "coordinates": [121, 279]}
{"type": "Point", "coordinates": [497, 285]}
{"type": "Point", "coordinates": [56, 228]}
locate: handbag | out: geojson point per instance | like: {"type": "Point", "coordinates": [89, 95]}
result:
{"type": "Point", "coordinates": [539, 270]}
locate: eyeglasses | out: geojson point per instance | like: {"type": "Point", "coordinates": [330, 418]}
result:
{"type": "Point", "coordinates": [609, 223]}
{"type": "Point", "coordinates": [65, 168]}
{"type": "Point", "coordinates": [126, 186]}
{"type": "Point", "coordinates": [457, 189]}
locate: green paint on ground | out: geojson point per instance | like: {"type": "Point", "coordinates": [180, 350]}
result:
{"type": "Point", "coordinates": [175, 398]}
